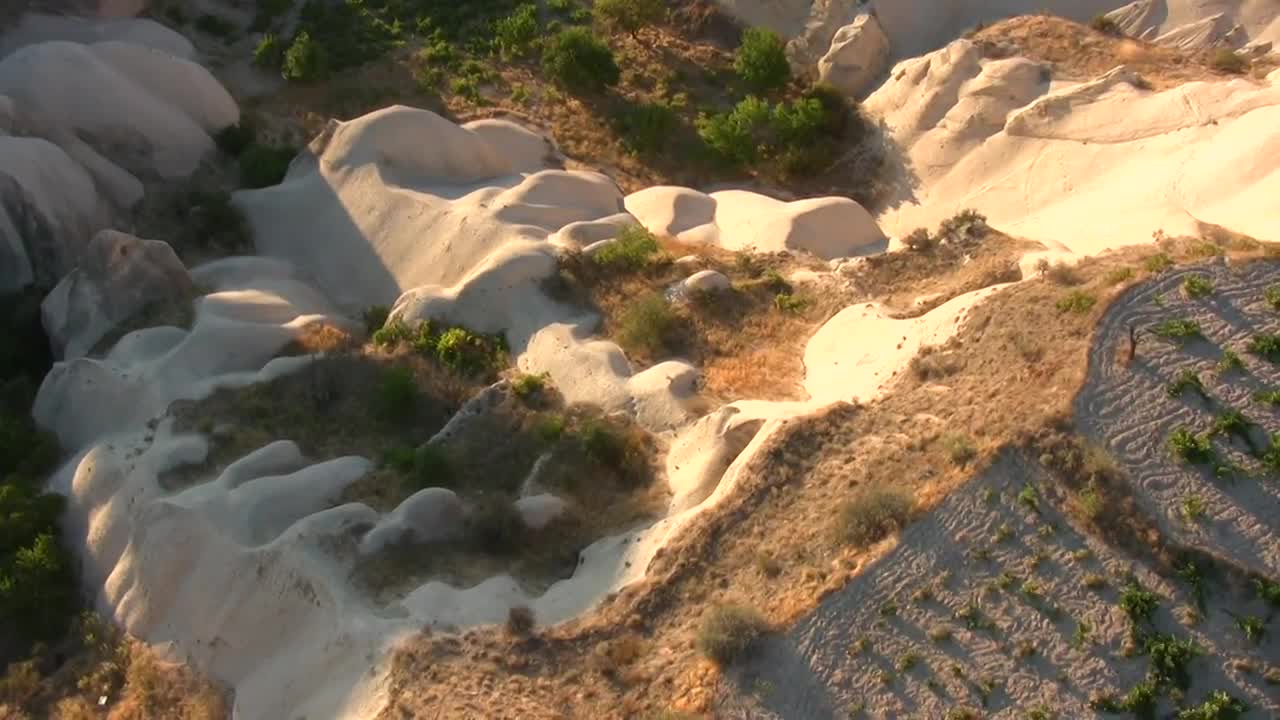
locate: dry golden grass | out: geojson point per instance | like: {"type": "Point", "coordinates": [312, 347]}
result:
{"type": "Point", "coordinates": [98, 663]}
{"type": "Point", "coordinates": [1020, 363]}
{"type": "Point", "coordinates": [1079, 52]}
{"type": "Point", "coordinates": [745, 344]}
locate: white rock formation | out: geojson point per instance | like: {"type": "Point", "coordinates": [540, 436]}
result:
{"type": "Point", "coordinates": [118, 276]}
{"type": "Point", "coordinates": [737, 219]}
{"type": "Point", "coordinates": [1081, 167]}
{"type": "Point", "coordinates": [35, 28]}
{"type": "Point", "coordinates": [858, 56]}
{"type": "Point", "coordinates": [430, 515]}
{"type": "Point", "coordinates": [123, 110]}
{"type": "Point", "coordinates": [539, 511]}
{"type": "Point", "coordinates": [49, 208]}
{"type": "Point", "coordinates": [706, 281]}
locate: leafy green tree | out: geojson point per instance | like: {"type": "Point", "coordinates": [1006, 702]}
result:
{"type": "Point", "coordinates": [580, 62]}
{"type": "Point", "coordinates": [761, 60]}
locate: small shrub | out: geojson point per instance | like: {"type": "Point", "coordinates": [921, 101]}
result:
{"type": "Point", "coordinates": [1229, 362]}
{"type": "Point", "coordinates": [1141, 700]}
{"type": "Point", "coordinates": [1095, 581]}
{"type": "Point", "coordinates": [1183, 329]}
{"type": "Point", "coordinates": [761, 60]}
{"type": "Point", "coordinates": [516, 33]}
{"type": "Point", "coordinates": [629, 16]}
{"type": "Point", "coordinates": [1268, 591]}
{"type": "Point", "coordinates": [1233, 423]}
{"type": "Point", "coordinates": [1225, 60]}
{"type": "Point", "coordinates": [729, 631]}
{"type": "Point", "coordinates": [1191, 448]}
{"type": "Point", "coordinates": [959, 449]}
{"type": "Point", "coordinates": [1186, 380]}
{"type": "Point", "coordinates": [1193, 508]}
{"type": "Point", "coordinates": [1170, 659]}
{"type": "Point", "coordinates": [645, 324]}
{"type": "Point", "coordinates": [740, 135]}
{"type": "Point", "coordinates": [397, 395]}
{"type": "Point", "coordinates": [1058, 273]}
{"type": "Point", "coordinates": [305, 60]}
{"type": "Point", "coordinates": [1118, 275]}
{"type": "Point", "coordinates": [907, 661]}
{"type": "Point", "coordinates": [579, 62]}
{"type": "Point", "coordinates": [262, 166]}
{"type": "Point", "coordinates": [1197, 286]}
{"type": "Point", "coordinates": [940, 634]}
{"type": "Point", "coordinates": [919, 240]}
{"type": "Point", "coordinates": [1158, 263]}
{"type": "Point", "coordinates": [1105, 25]}
{"type": "Point", "coordinates": [1253, 627]}
{"type": "Point", "coordinates": [963, 227]}
{"type": "Point", "coordinates": [550, 428]}
{"type": "Point", "coordinates": [430, 468]}
{"type": "Point", "coordinates": [374, 317]}
{"type": "Point", "coordinates": [1078, 301]}
{"type": "Point", "coordinates": [1268, 397]}
{"type": "Point", "coordinates": [527, 386]}
{"type": "Point", "coordinates": [1217, 706]}
{"type": "Point", "coordinates": [1266, 347]}
{"type": "Point", "coordinates": [646, 128]}
{"type": "Point", "coordinates": [520, 620]}
{"type": "Point", "coordinates": [787, 302]}
{"type": "Point", "coordinates": [1138, 604]}
{"type": "Point", "coordinates": [873, 514]}
{"type": "Point", "coordinates": [1029, 498]}
{"type": "Point", "coordinates": [269, 53]}
{"type": "Point", "coordinates": [1272, 297]}
{"type": "Point", "coordinates": [635, 248]}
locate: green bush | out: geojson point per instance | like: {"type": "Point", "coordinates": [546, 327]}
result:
{"type": "Point", "coordinates": [1138, 604]}
{"type": "Point", "coordinates": [269, 53]}
{"type": "Point", "coordinates": [634, 248]}
{"type": "Point", "coordinates": [516, 33]}
{"type": "Point", "coordinates": [1265, 346]}
{"type": "Point", "coordinates": [1077, 301]}
{"type": "Point", "coordinates": [1197, 286]}
{"type": "Point", "coordinates": [305, 60]}
{"type": "Point", "coordinates": [262, 166]}
{"type": "Point", "coordinates": [1141, 700]}
{"type": "Point", "coordinates": [798, 133]}
{"type": "Point", "coordinates": [527, 386]}
{"type": "Point", "coordinates": [579, 62]}
{"type": "Point", "coordinates": [1169, 660]}
{"type": "Point", "coordinates": [873, 514]}
{"type": "Point", "coordinates": [1105, 25]}
{"type": "Point", "coordinates": [1218, 706]}
{"type": "Point", "coordinates": [1225, 60]}
{"type": "Point", "coordinates": [629, 16]}
{"type": "Point", "coordinates": [761, 60]}
{"type": "Point", "coordinates": [1272, 296]}
{"type": "Point", "coordinates": [729, 631]}
{"type": "Point", "coordinates": [1183, 329]}
{"type": "Point", "coordinates": [1191, 448]}
{"type": "Point", "coordinates": [217, 224]}
{"type": "Point", "coordinates": [646, 323]}
{"type": "Point", "coordinates": [1186, 380]}
{"type": "Point", "coordinates": [397, 395]}
{"type": "Point", "coordinates": [374, 317]}
{"type": "Point", "coordinates": [740, 135]}
{"type": "Point", "coordinates": [430, 467]}
{"type": "Point", "coordinates": [646, 128]}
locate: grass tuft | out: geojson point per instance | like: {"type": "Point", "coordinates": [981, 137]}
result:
{"type": "Point", "coordinates": [873, 514]}
{"type": "Point", "coordinates": [729, 631]}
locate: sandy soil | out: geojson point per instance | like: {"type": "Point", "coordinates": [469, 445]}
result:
{"type": "Point", "coordinates": [1131, 411]}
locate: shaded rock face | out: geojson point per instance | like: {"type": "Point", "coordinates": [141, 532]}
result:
{"type": "Point", "coordinates": [118, 276]}
{"type": "Point", "coordinates": [37, 243]}
{"type": "Point", "coordinates": [859, 54]}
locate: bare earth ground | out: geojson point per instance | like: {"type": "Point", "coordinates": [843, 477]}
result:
{"type": "Point", "coordinates": [1130, 411]}
{"type": "Point", "coordinates": [1040, 639]}
{"type": "Point", "coordinates": [1017, 364]}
